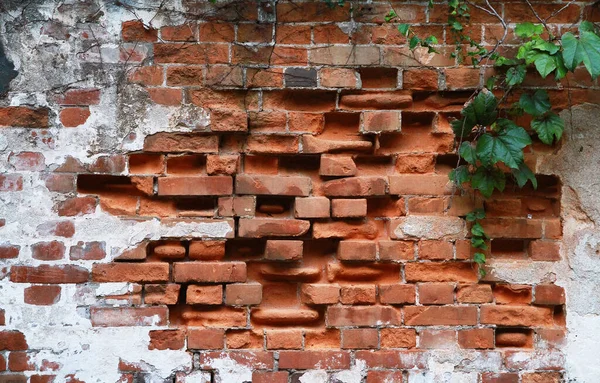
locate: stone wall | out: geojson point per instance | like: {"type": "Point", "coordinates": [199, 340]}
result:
{"type": "Point", "coordinates": [258, 192]}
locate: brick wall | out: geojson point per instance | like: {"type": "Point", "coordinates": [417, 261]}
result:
{"type": "Point", "coordinates": [259, 192]}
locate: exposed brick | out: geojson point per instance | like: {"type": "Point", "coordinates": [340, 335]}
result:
{"type": "Point", "coordinates": [356, 187]}
{"type": "Point", "coordinates": [206, 339]}
{"type": "Point", "coordinates": [182, 186]}
{"type": "Point", "coordinates": [358, 294]}
{"type": "Point", "coordinates": [131, 272]}
{"type": "Point", "coordinates": [312, 207]}
{"type": "Point", "coordinates": [74, 116]}
{"type": "Point", "coordinates": [88, 251]}
{"type": "Point", "coordinates": [516, 316]}
{"type": "Point", "coordinates": [209, 272]}
{"type": "Point", "coordinates": [129, 316]}
{"type": "Point", "coordinates": [339, 316]}
{"type": "Point", "coordinates": [243, 294]}
{"type": "Point", "coordinates": [42, 295]}
{"type": "Point", "coordinates": [304, 360]}
{"type": "Point", "coordinates": [284, 250]}
{"type": "Point", "coordinates": [273, 185]}
{"type": "Point", "coordinates": [30, 161]}
{"type": "Point", "coordinates": [204, 295]}
{"type": "Point", "coordinates": [442, 315]}
{"type": "Point", "coordinates": [21, 116]}
{"type": "Point", "coordinates": [9, 251]}
{"type": "Point", "coordinates": [263, 227]}
{"type": "Point", "coordinates": [348, 208]}
{"type": "Point", "coordinates": [398, 337]}
{"type": "Point", "coordinates": [549, 295]}
{"type": "Point", "coordinates": [397, 294]}
{"type": "Point", "coordinates": [476, 338]}
{"type": "Point", "coordinates": [360, 338]}
{"type": "Point", "coordinates": [320, 294]}
{"type": "Point", "coordinates": [436, 293]}
{"type": "Point", "coordinates": [166, 340]}
{"type": "Point", "coordinates": [284, 339]}
{"type": "Point", "coordinates": [357, 251]}
{"type": "Point", "coordinates": [48, 274]}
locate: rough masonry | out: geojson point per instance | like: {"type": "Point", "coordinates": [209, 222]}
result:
{"type": "Point", "coordinates": [258, 192]}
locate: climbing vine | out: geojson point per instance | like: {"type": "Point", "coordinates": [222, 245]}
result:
{"type": "Point", "coordinates": [490, 140]}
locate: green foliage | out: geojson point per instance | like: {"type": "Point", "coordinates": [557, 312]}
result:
{"type": "Point", "coordinates": [490, 142]}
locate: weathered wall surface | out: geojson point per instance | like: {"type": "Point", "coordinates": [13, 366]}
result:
{"type": "Point", "coordinates": [257, 192]}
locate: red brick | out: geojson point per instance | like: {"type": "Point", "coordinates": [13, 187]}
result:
{"type": "Point", "coordinates": [9, 251]}
{"type": "Point", "coordinates": [474, 293]}
{"type": "Point", "coordinates": [398, 338]}
{"type": "Point", "coordinates": [436, 293]}
{"type": "Point", "coordinates": [521, 228]}
{"type": "Point", "coordinates": [129, 316]}
{"type": "Point", "coordinates": [549, 295]}
{"type": "Point", "coordinates": [381, 121]}
{"type": "Point", "coordinates": [272, 185]}
{"type": "Point", "coordinates": [311, 207]}
{"type": "Point", "coordinates": [42, 295]}
{"type": "Point", "coordinates": [90, 96]}
{"type": "Point", "coordinates": [257, 78]}
{"type": "Point", "coordinates": [136, 30]}
{"type": "Point", "coordinates": [357, 250]}
{"type": "Point", "coordinates": [182, 186]}
{"type": "Point", "coordinates": [337, 166]}
{"type": "Point", "coordinates": [216, 32]}
{"type": "Point", "coordinates": [360, 338]}
{"type": "Point", "coordinates": [542, 377]}
{"type": "Point", "coordinates": [284, 250]}
{"type": "Point", "coordinates": [180, 143]}
{"type": "Point", "coordinates": [437, 339]}
{"type": "Point", "coordinates": [223, 164]}
{"type": "Point", "coordinates": [48, 251]}
{"type": "Point", "coordinates": [320, 294]}
{"type": "Point", "coordinates": [166, 340]}
{"type": "Point", "coordinates": [273, 227]}
{"type": "Point", "coordinates": [502, 377]}
{"type": "Point", "coordinates": [228, 121]}
{"type": "Point", "coordinates": [207, 250]}
{"type": "Point", "coordinates": [440, 315]}
{"type": "Point", "coordinates": [270, 377]}
{"type": "Point", "coordinates": [410, 184]}
{"type": "Point", "coordinates": [179, 53]}
{"type": "Point", "coordinates": [11, 182]}
{"type": "Point", "coordinates": [184, 32]}
{"type": "Point", "coordinates": [12, 341]}
{"type": "Point", "coordinates": [48, 274]}
{"type": "Point", "coordinates": [108, 164]}
{"type": "Point", "coordinates": [396, 294]}
{"type": "Point", "coordinates": [306, 122]}
{"type": "Point", "coordinates": [272, 144]}
{"type": "Point", "coordinates": [339, 316]}
{"type": "Point", "coordinates": [348, 208]}
{"type": "Point", "coordinates": [476, 338]}
{"type": "Point", "coordinates": [206, 339]}
{"type": "Point", "coordinates": [19, 362]}
{"type": "Point", "coordinates": [396, 250]}
{"type": "Point", "coordinates": [544, 250]}
{"type": "Point", "coordinates": [147, 75]}
{"type": "Point", "coordinates": [378, 376]}
{"type": "Point", "coordinates": [292, 34]}
{"type": "Point", "coordinates": [304, 360]}
{"type": "Point", "coordinates": [74, 116]}
{"type": "Point", "coordinates": [462, 78]}
{"type": "Point", "coordinates": [517, 316]}
{"type": "Point", "coordinates": [242, 294]}
{"type": "Point", "coordinates": [237, 206]}
{"type": "Point", "coordinates": [284, 339]}
{"type": "Point", "coordinates": [513, 294]}
{"type": "Point", "coordinates": [30, 161]}
{"type": "Point", "coordinates": [184, 75]}
{"type": "Point", "coordinates": [338, 78]}
{"type": "Point", "coordinates": [77, 206]}
{"type": "Point", "coordinates": [420, 79]}
{"type": "Point", "coordinates": [22, 116]}
{"type": "Point", "coordinates": [204, 295]}
{"type": "Point", "coordinates": [355, 187]}
{"type": "Point", "coordinates": [61, 183]}
{"type": "Point", "coordinates": [440, 272]}
{"type": "Point", "coordinates": [436, 250]}
{"type": "Point", "coordinates": [131, 272]}
{"type": "Point", "coordinates": [358, 294]}
{"type": "Point", "coordinates": [165, 96]}
{"type": "Point", "coordinates": [213, 272]}
{"type": "Point", "coordinates": [167, 294]}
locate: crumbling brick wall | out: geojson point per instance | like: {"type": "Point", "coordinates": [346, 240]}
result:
{"type": "Point", "coordinates": [258, 191]}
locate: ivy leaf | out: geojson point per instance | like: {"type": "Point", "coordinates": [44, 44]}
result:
{"type": "Point", "coordinates": [561, 69]}
{"type": "Point", "coordinates": [390, 16]}
{"type": "Point", "coordinates": [545, 64]}
{"type": "Point", "coordinates": [477, 230]}
{"type": "Point", "coordinates": [479, 258]}
{"type": "Point", "coordinates": [515, 75]}
{"type": "Point", "coordinates": [460, 175]}
{"type": "Point", "coordinates": [506, 147]}
{"type": "Point", "coordinates": [482, 110]}
{"type": "Point", "coordinates": [545, 46]}
{"type": "Point", "coordinates": [460, 128]}
{"type": "Point", "coordinates": [584, 50]}
{"type": "Point", "coordinates": [586, 26]}
{"type": "Point", "coordinates": [537, 104]}
{"type": "Point", "coordinates": [490, 83]}
{"type": "Point", "coordinates": [527, 30]}
{"type": "Point", "coordinates": [403, 29]}
{"type": "Point", "coordinates": [487, 179]}
{"type": "Point", "coordinates": [548, 127]}
{"type": "Point", "coordinates": [414, 41]}
{"type": "Point", "coordinates": [467, 151]}
{"type": "Point", "coordinates": [524, 174]}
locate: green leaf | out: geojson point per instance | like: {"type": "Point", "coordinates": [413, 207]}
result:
{"type": "Point", "coordinates": [584, 50]}
{"type": "Point", "coordinates": [561, 69]}
{"type": "Point", "coordinates": [390, 16]}
{"type": "Point", "coordinates": [467, 151]}
{"type": "Point", "coordinates": [487, 179]}
{"type": "Point", "coordinates": [475, 215]}
{"type": "Point", "coordinates": [460, 175]}
{"type": "Point", "coordinates": [403, 29]}
{"type": "Point", "coordinates": [456, 25]}
{"type": "Point", "coordinates": [515, 75]}
{"type": "Point", "coordinates": [478, 243]}
{"type": "Point", "coordinates": [477, 230]}
{"type": "Point", "coordinates": [414, 41]}
{"type": "Point", "coordinates": [586, 26]}
{"type": "Point", "coordinates": [460, 128]}
{"type": "Point", "coordinates": [545, 64]}
{"type": "Point", "coordinates": [545, 46]}
{"type": "Point", "coordinates": [524, 174]}
{"type": "Point", "coordinates": [549, 127]}
{"type": "Point", "coordinates": [490, 83]}
{"type": "Point", "coordinates": [506, 147]}
{"type": "Point", "coordinates": [482, 110]}
{"type": "Point", "coordinates": [527, 30]}
{"type": "Point", "coordinates": [536, 104]}
{"type": "Point", "coordinates": [479, 258]}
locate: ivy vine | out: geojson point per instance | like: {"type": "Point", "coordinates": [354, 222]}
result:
{"type": "Point", "coordinates": [490, 140]}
